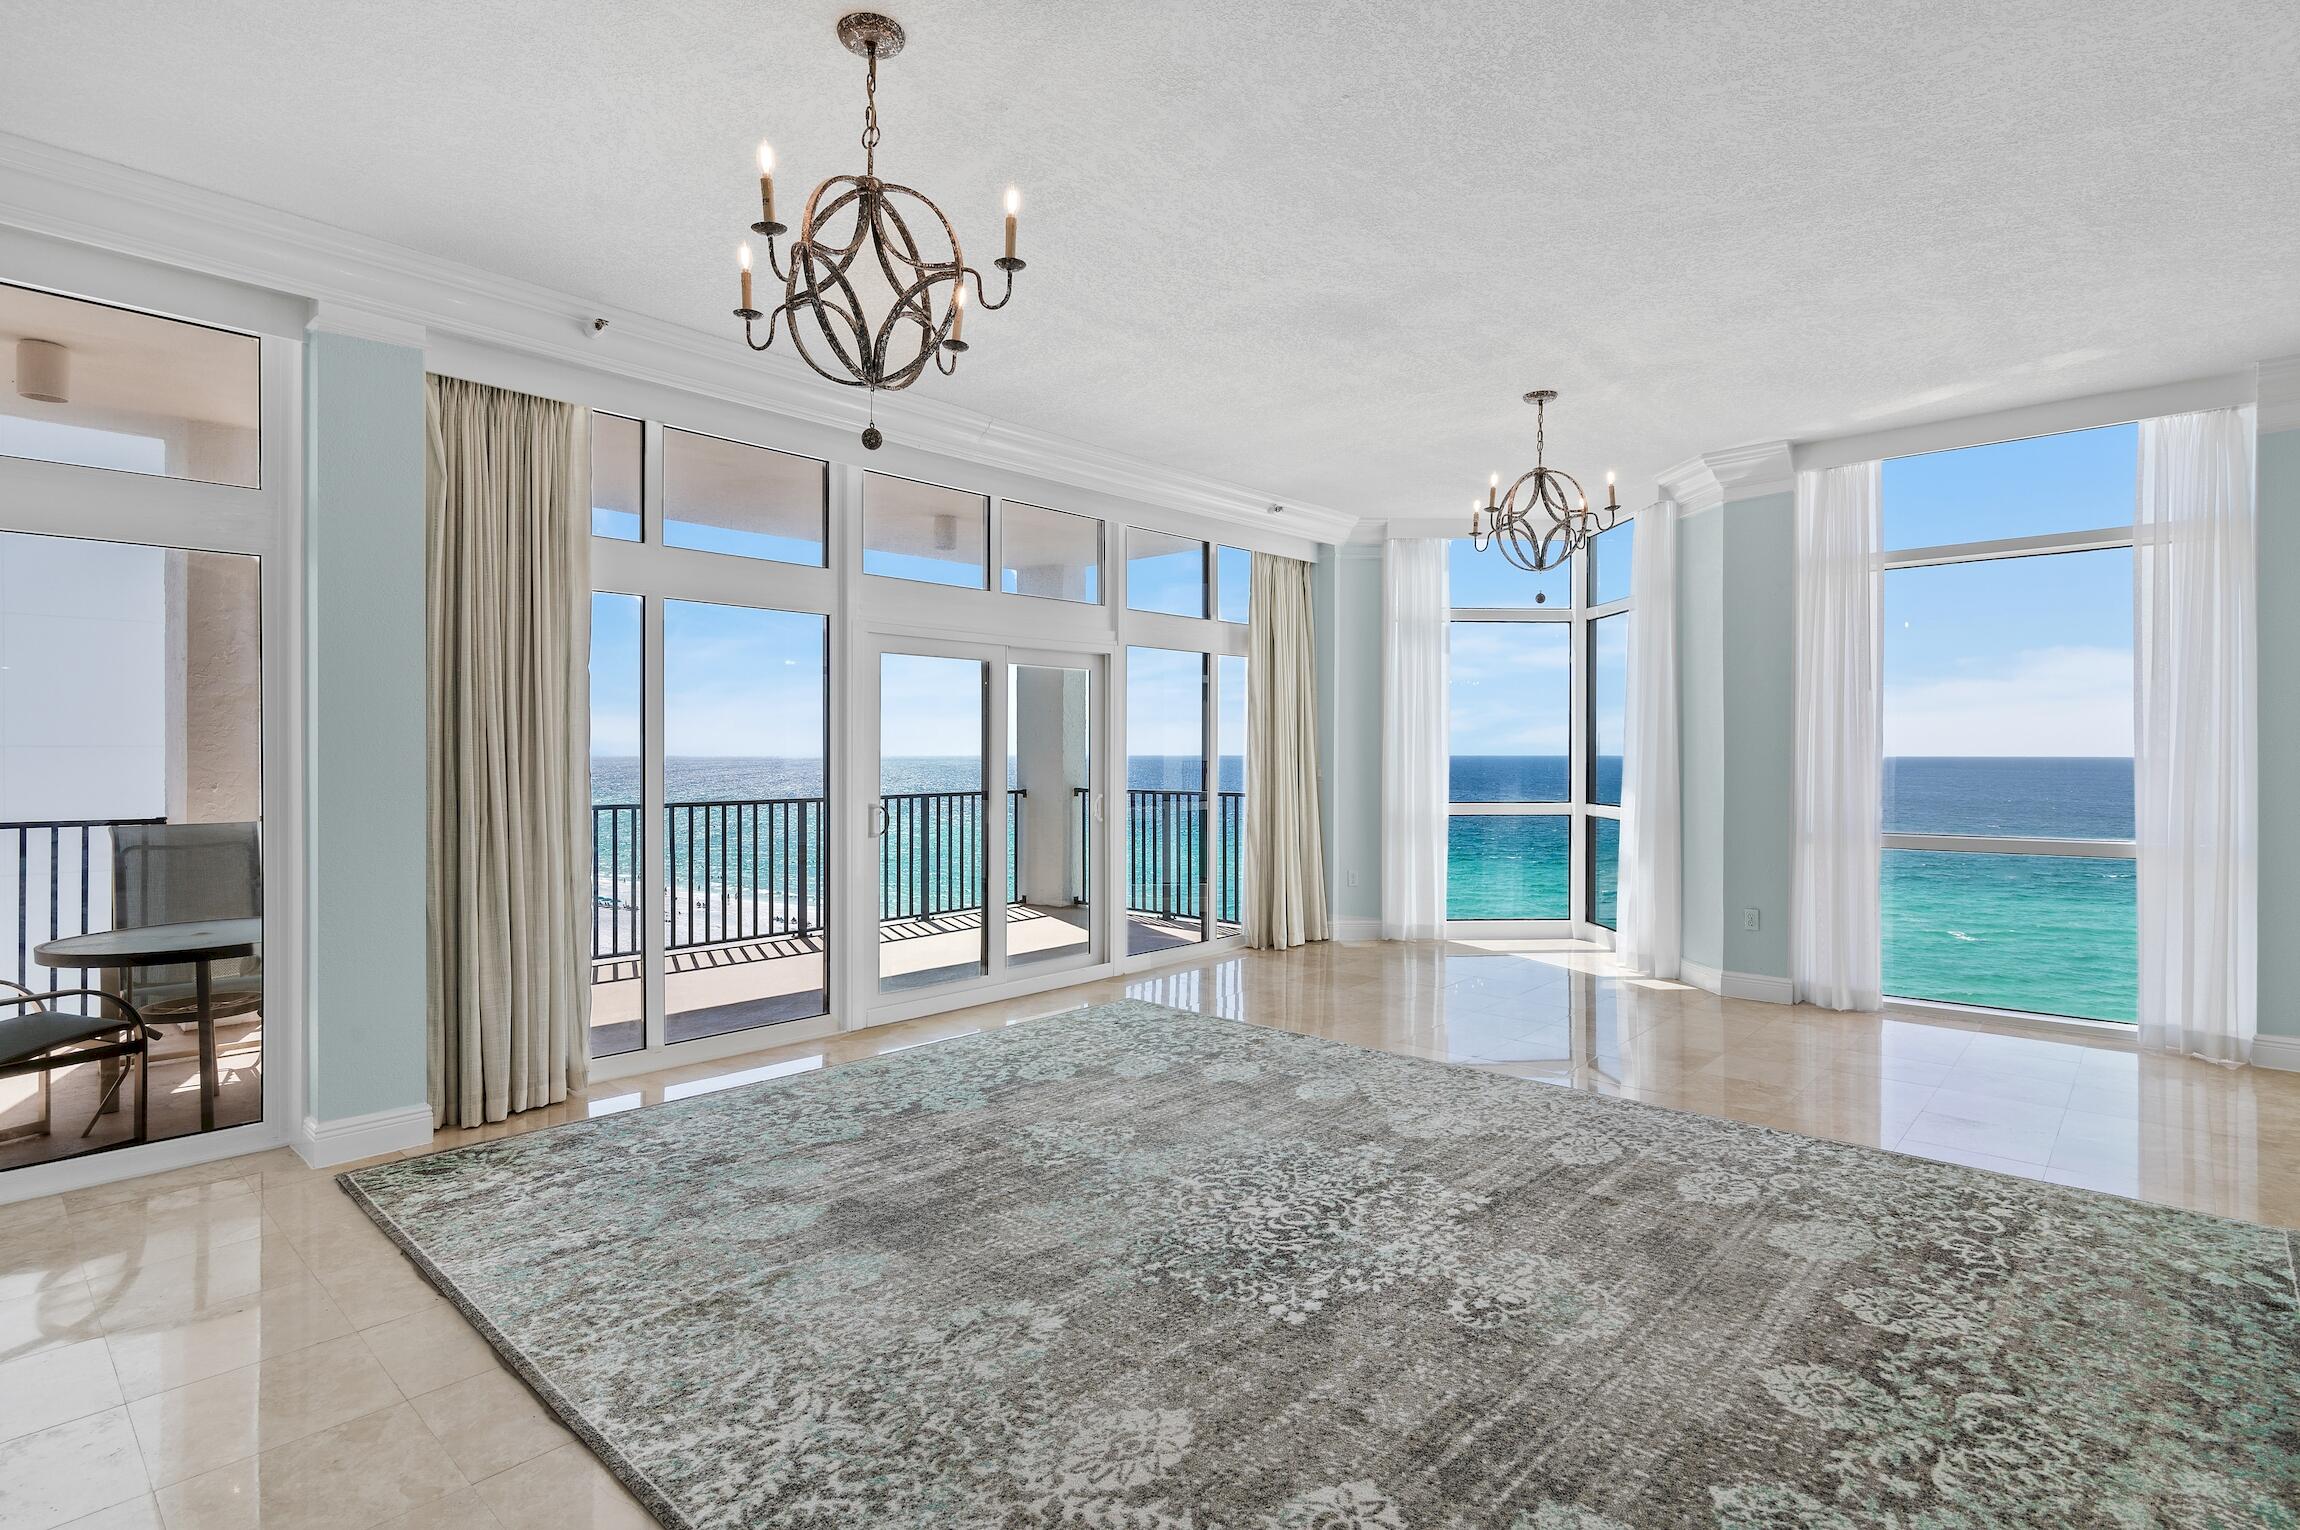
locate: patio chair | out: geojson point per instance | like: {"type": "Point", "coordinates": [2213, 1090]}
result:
{"type": "Point", "coordinates": [34, 1041]}
{"type": "Point", "coordinates": [181, 873]}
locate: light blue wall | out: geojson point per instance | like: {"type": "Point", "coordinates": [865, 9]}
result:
{"type": "Point", "coordinates": [1701, 731]}
{"type": "Point", "coordinates": [1735, 616]}
{"type": "Point", "coordinates": [2279, 636]}
{"type": "Point", "coordinates": [1758, 596]}
{"type": "Point", "coordinates": [1356, 844]}
{"type": "Point", "coordinates": [364, 783]}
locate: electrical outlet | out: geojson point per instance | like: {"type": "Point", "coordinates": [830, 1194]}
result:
{"type": "Point", "coordinates": [1350, 878]}
{"type": "Point", "coordinates": [1748, 919]}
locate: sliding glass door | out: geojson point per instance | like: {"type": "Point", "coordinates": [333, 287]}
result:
{"type": "Point", "coordinates": [981, 859]}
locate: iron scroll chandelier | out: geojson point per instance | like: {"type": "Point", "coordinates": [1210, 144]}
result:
{"type": "Point", "coordinates": [1545, 517]}
{"type": "Point", "coordinates": [853, 229]}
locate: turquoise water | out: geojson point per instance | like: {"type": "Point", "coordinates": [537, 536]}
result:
{"type": "Point", "coordinates": [2052, 934]}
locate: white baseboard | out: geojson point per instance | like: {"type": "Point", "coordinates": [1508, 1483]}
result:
{"type": "Point", "coordinates": [1356, 929]}
{"type": "Point", "coordinates": [1737, 985]}
{"type": "Point", "coordinates": [2281, 1052]}
{"type": "Point", "coordinates": [324, 1144]}
{"type": "Point", "coordinates": [1765, 990]}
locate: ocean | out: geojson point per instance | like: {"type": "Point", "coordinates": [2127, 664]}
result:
{"type": "Point", "coordinates": [2054, 934]}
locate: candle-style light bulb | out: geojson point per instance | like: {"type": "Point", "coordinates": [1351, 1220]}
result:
{"type": "Point", "coordinates": [1493, 489]}
{"type": "Point", "coordinates": [1611, 503]}
{"type": "Point", "coordinates": [743, 255]}
{"type": "Point", "coordinates": [1013, 207]}
{"type": "Point", "coordinates": [766, 187]}
{"type": "Point", "coordinates": [957, 309]}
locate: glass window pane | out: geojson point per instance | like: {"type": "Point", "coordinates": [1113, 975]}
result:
{"type": "Point", "coordinates": [2008, 697]}
{"type": "Point", "coordinates": [103, 387]}
{"type": "Point", "coordinates": [934, 771]}
{"type": "Point", "coordinates": [618, 839]}
{"type": "Point", "coordinates": [1608, 705]}
{"type": "Point", "coordinates": [1165, 573]}
{"type": "Point", "coordinates": [618, 449]}
{"type": "Point", "coordinates": [745, 719]}
{"type": "Point", "coordinates": [131, 786]}
{"type": "Point", "coordinates": [1516, 867]}
{"type": "Point", "coordinates": [1609, 563]}
{"type": "Point", "coordinates": [731, 497]}
{"type": "Point", "coordinates": [2077, 481]}
{"type": "Point", "coordinates": [1510, 711]}
{"type": "Point", "coordinates": [1050, 553]}
{"type": "Point", "coordinates": [1234, 578]}
{"type": "Point", "coordinates": [1604, 871]}
{"type": "Point", "coordinates": [1050, 828]}
{"type": "Point", "coordinates": [1230, 788]}
{"type": "Point", "coordinates": [2055, 934]}
{"type": "Point", "coordinates": [1488, 581]}
{"type": "Point", "coordinates": [1165, 798]}
{"type": "Point", "coordinates": [925, 532]}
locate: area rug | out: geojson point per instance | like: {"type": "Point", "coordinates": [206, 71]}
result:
{"type": "Point", "coordinates": [1133, 1269]}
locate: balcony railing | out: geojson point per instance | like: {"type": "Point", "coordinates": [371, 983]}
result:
{"type": "Point", "coordinates": [752, 869]}
{"type": "Point", "coordinates": [63, 885]}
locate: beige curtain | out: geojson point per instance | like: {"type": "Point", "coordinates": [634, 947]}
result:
{"type": "Point", "coordinates": [1285, 873]}
{"type": "Point", "coordinates": [509, 584]}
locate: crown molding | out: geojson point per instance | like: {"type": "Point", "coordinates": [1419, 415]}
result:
{"type": "Point", "coordinates": [2279, 395]}
{"type": "Point", "coordinates": [67, 195]}
{"type": "Point", "coordinates": [2227, 390]}
{"type": "Point", "coordinates": [1736, 472]}
{"type": "Point", "coordinates": [1692, 486]}
{"type": "Point", "coordinates": [1745, 472]}
{"type": "Point", "coordinates": [365, 324]}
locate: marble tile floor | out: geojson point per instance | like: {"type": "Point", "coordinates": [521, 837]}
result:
{"type": "Point", "coordinates": [235, 1345]}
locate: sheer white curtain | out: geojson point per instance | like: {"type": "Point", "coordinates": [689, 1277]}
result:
{"type": "Point", "coordinates": [2195, 712]}
{"type": "Point", "coordinates": [1649, 939]}
{"type": "Point", "coordinates": [1416, 605]}
{"type": "Point", "coordinates": [1835, 933]}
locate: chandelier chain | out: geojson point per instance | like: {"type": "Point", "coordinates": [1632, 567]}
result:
{"type": "Point", "coordinates": [870, 116]}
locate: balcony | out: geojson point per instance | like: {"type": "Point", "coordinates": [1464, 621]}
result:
{"type": "Point", "coordinates": [745, 909]}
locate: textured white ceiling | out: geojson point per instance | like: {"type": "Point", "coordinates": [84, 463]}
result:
{"type": "Point", "coordinates": [1321, 248]}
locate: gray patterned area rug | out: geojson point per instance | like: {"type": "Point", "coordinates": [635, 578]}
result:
{"type": "Point", "coordinates": [1131, 1269]}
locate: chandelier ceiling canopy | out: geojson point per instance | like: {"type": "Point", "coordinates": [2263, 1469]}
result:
{"type": "Point", "coordinates": [876, 286]}
{"type": "Point", "coordinates": [1545, 517]}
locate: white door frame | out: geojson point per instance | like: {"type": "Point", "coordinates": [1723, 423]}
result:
{"type": "Point", "coordinates": [94, 504]}
{"type": "Point", "coordinates": [868, 1005]}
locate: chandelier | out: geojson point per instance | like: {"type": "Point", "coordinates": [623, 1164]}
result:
{"type": "Point", "coordinates": [1545, 517]}
{"type": "Point", "coordinates": [854, 236]}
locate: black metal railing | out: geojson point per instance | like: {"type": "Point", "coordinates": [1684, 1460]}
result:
{"type": "Point", "coordinates": [752, 869]}
{"type": "Point", "coordinates": [63, 885]}
{"type": "Point", "coordinates": [742, 870]}
{"type": "Point", "coordinates": [1165, 856]}
{"type": "Point", "coordinates": [615, 846]}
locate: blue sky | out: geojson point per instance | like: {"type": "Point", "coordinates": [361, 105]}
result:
{"type": "Point", "coordinates": [2027, 656]}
